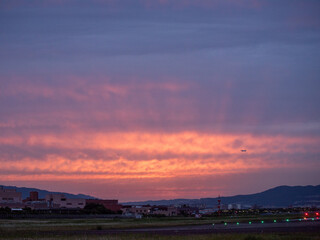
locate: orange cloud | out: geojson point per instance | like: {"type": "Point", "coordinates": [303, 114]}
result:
{"type": "Point", "coordinates": [162, 155]}
{"type": "Point", "coordinates": [180, 143]}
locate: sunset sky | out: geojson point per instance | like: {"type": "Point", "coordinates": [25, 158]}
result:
{"type": "Point", "coordinates": [155, 99]}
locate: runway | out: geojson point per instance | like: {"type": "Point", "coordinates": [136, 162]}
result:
{"type": "Point", "coordinates": [296, 226]}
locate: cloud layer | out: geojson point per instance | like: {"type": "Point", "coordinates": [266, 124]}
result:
{"type": "Point", "coordinates": [126, 98]}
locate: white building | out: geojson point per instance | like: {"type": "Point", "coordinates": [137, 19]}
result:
{"type": "Point", "coordinates": [234, 206]}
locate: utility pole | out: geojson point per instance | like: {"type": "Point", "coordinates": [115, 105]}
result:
{"type": "Point", "coordinates": [219, 206]}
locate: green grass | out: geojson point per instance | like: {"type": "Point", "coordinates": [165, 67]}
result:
{"type": "Point", "coordinates": [89, 224]}
{"type": "Point", "coordinates": [75, 228]}
{"type": "Point", "coordinates": [254, 218]}
{"type": "Point", "coordinates": [127, 236]}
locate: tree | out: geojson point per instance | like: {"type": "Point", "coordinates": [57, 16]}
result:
{"type": "Point", "coordinates": [96, 208]}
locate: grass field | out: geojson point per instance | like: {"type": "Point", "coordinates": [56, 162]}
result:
{"type": "Point", "coordinates": [175, 237]}
{"type": "Point", "coordinates": [76, 229]}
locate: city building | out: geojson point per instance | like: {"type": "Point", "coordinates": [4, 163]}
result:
{"type": "Point", "coordinates": [149, 210]}
{"type": "Point", "coordinates": [34, 196]}
{"type": "Point", "coordinates": [60, 201]}
{"type": "Point", "coordinates": [165, 210]}
{"type": "Point", "coordinates": [234, 206]}
{"type": "Point", "coordinates": [146, 210]}
{"type": "Point", "coordinates": [8, 195]}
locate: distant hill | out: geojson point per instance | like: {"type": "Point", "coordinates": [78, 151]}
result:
{"type": "Point", "coordinates": [282, 196]}
{"type": "Point", "coordinates": [42, 193]}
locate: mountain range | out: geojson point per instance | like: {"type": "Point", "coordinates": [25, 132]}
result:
{"type": "Point", "coordinates": [282, 196]}
{"type": "Point", "coordinates": [42, 193]}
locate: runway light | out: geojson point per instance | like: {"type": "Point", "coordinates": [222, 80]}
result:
{"type": "Point", "coordinates": [249, 222]}
{"type": "Point", "coordinates": [312, 219]}
{"type": "Point", "coordinates": [287, 220]}
{"type": "Point", "coordinates": [262, 221]}
{"type": "Point", "coordinates": [238, 223]}
{"type": "Point", "coordinates": [305, 218]}
{"type": "Point", "coordinates": [300, 219]}
{"type": "Point", "coordinates": [225, 223]}
{"type": "Point", "coordinates": [317, 218]}
{"type": "Point", "coordinates": [274, 221]}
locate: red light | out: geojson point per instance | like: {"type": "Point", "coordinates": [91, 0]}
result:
{"type": "Point", "coordinates": [317, 214]}
{"type": "Point", "coordinates": [306, 214]}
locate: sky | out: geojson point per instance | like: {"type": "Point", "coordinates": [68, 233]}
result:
{"type": "Point", "coordinates": [155, 99]}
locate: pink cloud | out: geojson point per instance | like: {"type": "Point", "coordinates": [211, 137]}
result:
{"type": "Point", "coordinates": [165, 155]}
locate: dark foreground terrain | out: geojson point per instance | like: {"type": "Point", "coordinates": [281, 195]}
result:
{"type": "Point", "coordinates": [291, 227]}
{"type": "Point", "coordinates": [156, 229]}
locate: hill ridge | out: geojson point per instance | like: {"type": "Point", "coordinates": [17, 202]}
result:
{"type": "Point", "coordinates": [26, 191]}
{"type": "Point", "coordinates": [280, 196]}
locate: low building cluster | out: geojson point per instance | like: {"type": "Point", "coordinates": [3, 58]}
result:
{"type": "Point", "coordinates": [148, 210]}
{"type": "Point", "coordinates": [12, 199]}
{"type": "Point", "coordinates": [56, 201]}
{"type": "Point", "coordinates": [59, 203]}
